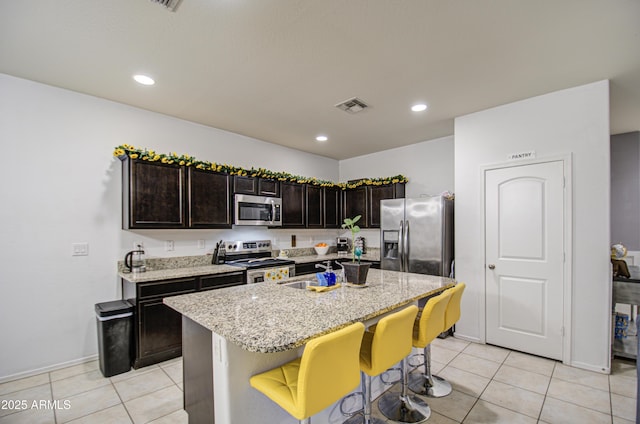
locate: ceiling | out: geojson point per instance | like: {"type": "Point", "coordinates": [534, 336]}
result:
{"type": "Point", "coordinates": [274, 70]}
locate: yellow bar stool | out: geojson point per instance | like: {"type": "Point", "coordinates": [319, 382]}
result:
{"type": "Point", "coordinates": [428, 326]}
{"type": "Point", "coordinates": [441, 312]}
{"type": "Point", "coordinates": [453, 310]}
{"type": "Point", "coordinates": [328, 370]}
{"type": "Point", "coordinates": [383, 345]}
{"type": "Point", "coordinates": [400, 406]}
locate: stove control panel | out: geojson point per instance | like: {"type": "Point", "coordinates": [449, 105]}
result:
{"type": "Point", "coordinates": [251, 246]}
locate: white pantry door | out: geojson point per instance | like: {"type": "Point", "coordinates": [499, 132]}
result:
{"type": "Point", "coordinates": [524, 251]}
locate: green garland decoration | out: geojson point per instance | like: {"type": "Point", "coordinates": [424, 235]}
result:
{"type": "Point", "coordinates": [126, 150]}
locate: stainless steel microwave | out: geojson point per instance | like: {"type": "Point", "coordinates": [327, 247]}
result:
{"type": "Point", "coordinates": [258, 210]}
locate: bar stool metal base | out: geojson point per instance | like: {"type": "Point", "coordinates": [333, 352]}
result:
{"type": "Point", "coordinates": [359, 419]}
{"type": "Point", "coordinates": [426, 384]}
{"type": "Point", "coordinates": [434, 387]}
{"type": "Point", "coordinates": [404, 409]}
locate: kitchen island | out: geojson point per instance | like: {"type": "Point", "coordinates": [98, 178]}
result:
{"type": "Point", "coordinates": [233, 333]}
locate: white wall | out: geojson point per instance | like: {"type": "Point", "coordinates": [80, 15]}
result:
{"type": "Point", "coordinates": [429, 166]}
{"type": "Point", "coordinates": [61, 184]}
{"type": "Point", "coordinates": [573, 121]}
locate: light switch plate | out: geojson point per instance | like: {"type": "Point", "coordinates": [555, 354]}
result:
{"type": "Point", "coordinates": [169, 245]}
{"type": "Point", "coordinates": [80, 249]}
{"type": "Point", "coordinates": [200, 244]}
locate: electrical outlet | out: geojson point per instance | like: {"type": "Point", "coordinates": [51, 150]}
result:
{"type": "Point", "coordinates": [200, 244]}
{"type": "Point", "coordinates": [169, 246]}
{"type": "Point", "coordinates": [80, 249]}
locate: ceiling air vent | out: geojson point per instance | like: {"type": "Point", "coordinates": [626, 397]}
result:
{"type": "Point", "coordinates": [169, 4]}
{"type": "Point", "coordinates": [353, 105]}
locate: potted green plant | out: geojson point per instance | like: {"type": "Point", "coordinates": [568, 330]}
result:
{"type": "Point", "coordinates": [354, 272]}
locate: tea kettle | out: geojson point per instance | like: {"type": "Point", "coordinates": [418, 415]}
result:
{"type": "Point", "coordinates": [134, 260]}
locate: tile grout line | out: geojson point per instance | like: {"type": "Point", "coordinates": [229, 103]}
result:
{"type": "Point", "coordinates": [485, 388]}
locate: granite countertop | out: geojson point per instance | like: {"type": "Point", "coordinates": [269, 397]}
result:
{"type": "Point", "coordinates": [271, 317]}
{"type": "Point", "coordinates": [166, 274]}
{"type": "Point", "coordinates": [190, 266]}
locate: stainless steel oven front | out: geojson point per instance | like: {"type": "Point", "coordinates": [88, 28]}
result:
{"type": "Point", "coordinates": [260, 275]}
{"type": "Point", "coordinates": [258, 210]}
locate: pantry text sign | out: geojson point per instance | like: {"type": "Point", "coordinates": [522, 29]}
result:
{"type": "Point", "coordinates": [522, 155]}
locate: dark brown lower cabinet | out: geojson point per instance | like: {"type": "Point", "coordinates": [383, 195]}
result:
{"type": "Point", "coordinates": [157, 327]}
{"type": "Point", "coordinates": [160, 333]}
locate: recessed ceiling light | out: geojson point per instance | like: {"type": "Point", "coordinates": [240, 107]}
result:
{"type": "Point", "coordinates": [322, 138]}
{"type": "Point", "coordinates": [143, 79]}
{"type": "Point", "coordinates": [419, 107]}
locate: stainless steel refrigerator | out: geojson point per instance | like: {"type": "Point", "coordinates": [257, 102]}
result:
{"type": "Point", "coordinates": [416, 235]}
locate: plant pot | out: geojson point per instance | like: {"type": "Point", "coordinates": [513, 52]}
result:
{"type": "Point", "coordinates": [355, 272]}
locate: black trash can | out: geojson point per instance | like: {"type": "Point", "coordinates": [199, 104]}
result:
{"type": "Point", "coordinates": [115, 326]}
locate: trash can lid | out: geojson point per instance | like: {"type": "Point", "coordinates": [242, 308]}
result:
{"type": "Point", "coordinates": [115, 307]}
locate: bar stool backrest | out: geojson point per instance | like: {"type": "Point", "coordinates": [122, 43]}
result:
{"type": "Point", "coordinates": [329, 369]}
{"type": "Point", "coordinates": [453, 310]}
{"type": "Point", "coordinates": [392, 339]}
{"type": "Point", "coordinates": [432, 319]}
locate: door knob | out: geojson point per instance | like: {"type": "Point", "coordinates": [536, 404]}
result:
{"type": "Point", "coordinates": [492, 266]}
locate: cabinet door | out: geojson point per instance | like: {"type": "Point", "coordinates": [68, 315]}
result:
{"type": "Point", "coordinates": [293, 205]}
{"type": "Point", "coordinates": [153, 195]}
{"type": "Point", "coordinates": [355, 203]}
{"type": "Point", "coordinates": [219, 281]}
{"type": "Point", "coordinates": [377, 193]}
{"type": "Point", "coordinates": [315, 206]}
{"type": "Point", "coordinates": [159, 333]}
{"type": "Point", "coordinates": [331, 209]}
{"type": "Point", "coordinates": [209, 199]}
{"type": "Point", "coordinates": [268, 187]}
{"type": "Point", "coordinates": [245, 185]}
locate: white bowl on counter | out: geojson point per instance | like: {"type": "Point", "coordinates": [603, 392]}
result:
{"type": "Point", "coordinates": [321, 251]}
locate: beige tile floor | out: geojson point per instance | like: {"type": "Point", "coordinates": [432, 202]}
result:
{"type": "Point", "coordinates": [491, 385]}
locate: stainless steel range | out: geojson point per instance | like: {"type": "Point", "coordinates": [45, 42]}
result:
{"type": "Point", "coordinates": [256, 257]}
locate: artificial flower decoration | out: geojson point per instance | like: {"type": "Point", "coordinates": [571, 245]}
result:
{"type": "Point", "coordinates": [126, 150]}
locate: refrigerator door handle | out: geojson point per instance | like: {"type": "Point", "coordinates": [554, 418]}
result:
{"type": "Point", "coordinates": [401, 246]}
{"type": "Point", "coordinates": [406, 246]}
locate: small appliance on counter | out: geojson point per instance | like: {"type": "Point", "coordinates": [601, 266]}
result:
{"type": "Point", "coordinates": [134, 260]}
{"type": "Point", "coordinates": [362, 244]}
{"type": "Point", "coordinates": [342, 246]}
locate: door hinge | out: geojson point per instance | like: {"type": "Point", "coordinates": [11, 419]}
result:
{"type": "Point", "coordinates": [562, 331]}
{"type": "Point", "coordinates": [564, 182]}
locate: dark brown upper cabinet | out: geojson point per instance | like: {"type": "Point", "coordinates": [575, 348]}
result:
{"type": "Point", "coordinates": [294, 205]}
{"type": "Point", "coordinates": [157, 195]}
{"type": "Point", "coordinates": [153, 195]}
{"type": "Point", "coordinates": [355, 203]}
{"type": "Point", "coordinates": [378, 193]}
{"type": "Point", "coordinates": [315, 206]}
{"type": "Point", "coordinates": [365, 201]}
{"type": "Point", "coordinates": [209, 199]}
{"type": "Point", "coordinates": [332, 207]}
{"type": "Point", "coordinates": [256, 186]}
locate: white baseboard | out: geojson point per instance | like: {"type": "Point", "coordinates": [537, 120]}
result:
{"type": "Point", "coordinates": [467, 338]}
{"type": "Point", "coordinates": [50, 368]}
{"type": "Point", "coordinates": [589, 367]}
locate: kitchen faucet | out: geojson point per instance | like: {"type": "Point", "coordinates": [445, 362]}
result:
{"type": "Point", "coordinates": [326, 267]}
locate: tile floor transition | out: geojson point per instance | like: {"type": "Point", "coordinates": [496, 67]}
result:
{"type": "Point", "coordinates": [491, 385]}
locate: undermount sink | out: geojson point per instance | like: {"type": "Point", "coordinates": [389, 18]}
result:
{"type": "Point", "coordinates": [301, 284]}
